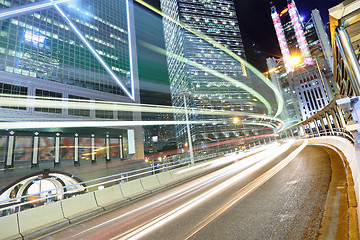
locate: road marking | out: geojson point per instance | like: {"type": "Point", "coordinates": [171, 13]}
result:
{"type": "Point", "coordinates": [147, 228]}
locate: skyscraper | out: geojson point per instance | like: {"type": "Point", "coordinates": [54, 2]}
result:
{"type": "Point", "coordinates": [309, 81]}
{"type": "Point", "coordinates": [70, 50]}
{"type": "Point", "coordinates": [198, 69]}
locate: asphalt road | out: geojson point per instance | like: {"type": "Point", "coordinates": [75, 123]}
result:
{"type": "Point", "coordinates": [264, 196]}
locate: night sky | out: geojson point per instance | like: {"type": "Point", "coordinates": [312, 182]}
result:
{"type": "Point", "coordinates": [258, 32]}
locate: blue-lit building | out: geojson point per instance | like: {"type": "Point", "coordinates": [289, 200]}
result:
{"type": "Point", "coordinates": [73, 51]}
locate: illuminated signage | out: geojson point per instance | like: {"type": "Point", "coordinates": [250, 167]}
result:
{"type": "Point", "coordinates": [282, 42]}
{"type": "Point", "coordinates": [299, 33]}
{"type": "Point", "coordinates": [284, 11]}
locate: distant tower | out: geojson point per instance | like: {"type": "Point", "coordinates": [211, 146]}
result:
{"type": "Point", "coordinates": [281, 38]}
{"type": "Point", "coordinates": [299, 33]}
{"type": "Point", "coordinates": [309, 82]}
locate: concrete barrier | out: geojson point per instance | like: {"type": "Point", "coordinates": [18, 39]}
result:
{"type": "Point", "coordinates": [79, 207]}
{"type": "Point", "coordinates": [165, 178]}
{"type": "Point", "coordinates": [150, 182]}
{"type": "Point", "coordinates": [177, 175]}
{"type": "Point", "coordinates": [180, 174]}
{"type": "Point", "coordinates": [9, 227]}
{"type": "Point", "coordinates": [52, 215]}
{"type": "Point", "coordinates": [352, 156]}
{"type": "Point", "coordinates": [132, 189]}
{"type": "Point", "coordinates": [38, 221]}
{"type": "Point", "coordinates": [109, 196]}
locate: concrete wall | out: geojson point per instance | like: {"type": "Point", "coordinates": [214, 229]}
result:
{"type": "Point", "coordinates": [351, 155]}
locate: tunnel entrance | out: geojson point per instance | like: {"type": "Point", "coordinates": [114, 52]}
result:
{"type": "Point", "coordinates": [38, 189]}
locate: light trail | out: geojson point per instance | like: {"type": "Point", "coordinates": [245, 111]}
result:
{"type": "Point", "coordinates": [147, 228]}
{"type": "Point", "coordinates": [54, 3]}
{"type": "Point", "coordinates": [252, 186]}
{"type": "Point", "coordinates": [80, 124]}
{"type": "Point", "coordinates": [29, 8]}
{"type": "Point", "coordinates": [216, 44]}
{"type": "Point", "coordinates": [42, 102]}
{"type": "Point", "coordinates": [96, 54]}
{"type": "Point", "coordinates": [213, 72]}
{"type": "Point", "coordinates": [249, 159]}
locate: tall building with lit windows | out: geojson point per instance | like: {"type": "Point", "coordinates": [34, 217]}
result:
{"type": "Point", "coordinates": [80, 51]}
{"type": "Point", "coordinates": [198, 68]}
{"type": "Point", "coordinates": [309, 81]}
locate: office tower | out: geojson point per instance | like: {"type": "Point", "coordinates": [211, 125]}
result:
{"type": "Point", "coordinates": [80, 51]}
{"type": "Point", "coordinates": [279, 78]}
{"type": "Point", "coordinates": [310, 78]}
{"type": "Point", "coordinates": [186, 27]}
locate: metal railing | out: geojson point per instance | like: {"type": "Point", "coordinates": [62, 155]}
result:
{"type": "Point", "coordinates": [17, 204]}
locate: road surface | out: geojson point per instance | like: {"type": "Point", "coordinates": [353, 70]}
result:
{"type": "Point", "coordinates": [264, 196]}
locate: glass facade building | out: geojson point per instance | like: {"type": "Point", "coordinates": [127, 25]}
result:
{"type": "Point", "coordinates": [43, 45]}
{"type": "Point", "coordinates": [199, 71]}
{"type": "Point", "coordinates": [71, 51]}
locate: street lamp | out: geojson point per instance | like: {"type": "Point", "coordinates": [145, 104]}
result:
{"type": "Point", "coordinates": [152, 164]}
{"type": "Point", "coordinates": [295, 60]}
{"type": "Point", "coordinates": [236, 120]}
{"type": "Point", "coordinates": [188, 132]}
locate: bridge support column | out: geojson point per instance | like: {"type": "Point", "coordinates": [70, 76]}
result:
{"type": "Point", "coordinates": [107, 145]}
{"type": "Point", "coordinates": [76, 150]}
{"type": "Point", "coordinates": [301, 130]}
{"type": "Point", "coordinates": [121, 150]}
{"type": "Point", "coordinates": [336, 122]}
{"type": "Point", "coordinates": [92, 146]}
{"type": "Point", "coordinates": [310, 128]}
{"type": "Point", "coordinates": [35, 150]}
{"type": "Point", "coordinates": [57, 149]}
{"type": "Point", "coordinates": [341, 117]}
{"type": "Point", "coordinates": [323, 124]}
{"type": "Point", "coordinates": [10, 147]}
{"type": "Point", "coordinates": [316, 127]}
{"type": "Point", "coordinates": [329, 123]}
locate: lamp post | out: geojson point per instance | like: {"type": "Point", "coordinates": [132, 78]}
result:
{"type": "Point", "coordinates": [153, 163]}
{"type": "Point", "coordinates": [188, 132]}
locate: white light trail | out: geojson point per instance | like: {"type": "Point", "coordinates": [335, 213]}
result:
{"type": "Point", "coordinates": [42, 102]}
{"type": "Point", "coordinates": [93, 50]}
{"type": "Point", "coordinates": [82, 124]}
{"type": "Point", "coordinates": [8, 13]}
{"type": "Point", "coordinates": [252, 157]}
{"type": "Point", "coordinates": [139, 233]}
{"type": "Point", "coordinates": [130, 50]}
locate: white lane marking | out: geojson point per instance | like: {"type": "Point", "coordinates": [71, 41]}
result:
{"type": "Point", "coordinates": [160, 221]}
{"type": "Point", "coordinates": [250, 160]}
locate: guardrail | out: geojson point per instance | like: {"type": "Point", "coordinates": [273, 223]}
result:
{"type": "Point", "coordinates": [333, 132]}
{"type": "Point", "coordinates": [58, 214]}
{"type": "Point", "coordinates": [328, 121]}
{"type": "Point", "coordinates": [14, 205]}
